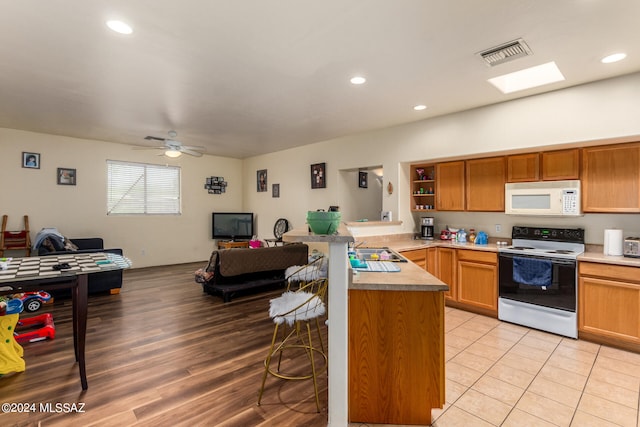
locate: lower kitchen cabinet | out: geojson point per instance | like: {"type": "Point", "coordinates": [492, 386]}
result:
{"type": "Point", "coordinates": [432, 259]}
{"type": "Point", "coordinates": [446, 271]}
{"type": "Point", "coordinates": [417, 256]}
{"type": "Point", "coordinates": [477, 274]}
{"type": "Point", "coordinates": [609, 304]}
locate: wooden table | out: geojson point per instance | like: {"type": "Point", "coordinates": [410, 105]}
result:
{"type": "Point", "coordinates": [37, 274]}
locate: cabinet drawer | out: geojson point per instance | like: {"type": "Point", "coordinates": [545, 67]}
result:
{"type": "Point", "coordinates": [415, 255]}
{"type": "Point", "coordinates": [477, 256]}
{"type": "Point", "coordinates": [609, 271]}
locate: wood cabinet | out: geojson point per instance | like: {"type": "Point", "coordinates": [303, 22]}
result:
{"type": "Point", "coordinates": [417, 256]}
{"type": "Point", "coordinates": [561, 164]}
{"type": "Point", "coordinates": [485, 179]}
{"type": "Point", "coordinates": [432, 259]}
{"type": "Point", "coordinates": [446, 271]}
{"type": "Point", "coordinates": [396, 356]}
{"type": "Point", "coordinates": [232, 244]}
{"type": "Point", "coordinates": [450, 186]}
{"type": "Point", "coordinates": [611, 178]}
{"type": "Point", "coordinates": [423, 185]}
{"type": "Point", "coordinates": [477, 275]}
{"type": "Point", "coordinates": [609, 304]}
{"type": "Point", "coordinates": [523, 167]}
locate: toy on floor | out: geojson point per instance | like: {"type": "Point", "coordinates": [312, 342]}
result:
{"type": "Point", "coordinates": [10, 351]}
{"type": "Point", "coordinates": [32, 301]}
{"type": "Point", "coordinates": [46, 330]}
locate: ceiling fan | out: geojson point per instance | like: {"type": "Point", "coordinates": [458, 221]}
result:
{"type": "Point", "coordinates": [172, 147]}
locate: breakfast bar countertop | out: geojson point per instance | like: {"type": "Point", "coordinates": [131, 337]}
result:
{"type": "Point", "coordinates": [410, 278]}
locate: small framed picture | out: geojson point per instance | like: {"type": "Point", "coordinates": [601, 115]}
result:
{"type": "Point", "coordinates": [275, 190]}
{"type": "Point", "coordinates": [363, 179]}
{"type": "Point", "coordinates": [31, 160]}
{"type": "Point", "coordinates": [318, 176]}
{"type": "Point", "coordinates": [66, 176]}
{"type": "Point", "coordinates": [261, 180]}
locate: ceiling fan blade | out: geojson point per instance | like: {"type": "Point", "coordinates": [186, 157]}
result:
{"type": "Point", "coordinates": [190, 152]}
{"type": "Point", "coordinates": [159, 147]}
{"type": "Point", "coordinates": [154, 138]}
{"type": "Point", "coordinates": [194, 147]}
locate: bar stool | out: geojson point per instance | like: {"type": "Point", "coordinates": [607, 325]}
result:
{"type": "Point", "coordinates": [292, 314]}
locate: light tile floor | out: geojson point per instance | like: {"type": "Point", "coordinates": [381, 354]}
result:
{"type": "Point", "coordinates": [500, 374]}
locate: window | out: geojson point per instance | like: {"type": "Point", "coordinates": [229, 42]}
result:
{"type": "Point", "coordinates": [138, 188]}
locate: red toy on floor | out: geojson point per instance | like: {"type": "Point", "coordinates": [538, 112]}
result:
{"type": "Point", "coordinates": [46, 330]}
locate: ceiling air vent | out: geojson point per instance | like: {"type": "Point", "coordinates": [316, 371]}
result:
{"type": "Point", "coordinates": [505, 52]}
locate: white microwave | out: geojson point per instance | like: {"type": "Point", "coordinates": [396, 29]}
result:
{"type": "Point", "coordinates": [546, 198]}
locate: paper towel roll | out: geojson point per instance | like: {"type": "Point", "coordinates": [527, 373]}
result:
{"type": "Point", "coordinates": [613, 242]}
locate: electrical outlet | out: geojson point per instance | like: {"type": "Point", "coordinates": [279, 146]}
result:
{"type": "Point", "coordinates": [498, 228]}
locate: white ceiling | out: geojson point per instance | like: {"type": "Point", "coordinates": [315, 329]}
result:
{"type": "Point", "coordinates": [246, 77]}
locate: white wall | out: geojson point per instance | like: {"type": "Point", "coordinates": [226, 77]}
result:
{"type": "Point", "coordinates": [80, 210]}
{"type": "Point", "coordinates": [605, 111]}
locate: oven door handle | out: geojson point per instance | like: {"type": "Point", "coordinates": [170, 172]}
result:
{"type": "Point", "coordinates": [555, 260]}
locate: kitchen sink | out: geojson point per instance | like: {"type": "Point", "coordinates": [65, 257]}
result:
{"type": "Point", "coordinates": [376, 254]}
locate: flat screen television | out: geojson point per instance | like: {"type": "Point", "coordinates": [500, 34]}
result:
{"type": "Point", "coordinates": [232, 225]}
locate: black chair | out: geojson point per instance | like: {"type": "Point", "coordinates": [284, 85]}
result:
{"type": "Point", "coordinates": [281, 226]}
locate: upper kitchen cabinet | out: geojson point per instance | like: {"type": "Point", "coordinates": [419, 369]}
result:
{"type": "Point", "coordinates": [450, 186]}
{"type": "Point", "coordinates": [611, 178]}
{"type": "Point", "coordinates": [485, 184]}
{"type": "Point", "coordinates": [561, 164]}
{"type": "Point", "coordinates": [523, 167]}
{"type": "Point", "coordinates": [423, 187]}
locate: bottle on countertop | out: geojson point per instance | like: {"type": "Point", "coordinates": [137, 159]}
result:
{"type": "Point", "coordinates": [462, 236]}
{"type": "Point", "coordinates": [472, 235]}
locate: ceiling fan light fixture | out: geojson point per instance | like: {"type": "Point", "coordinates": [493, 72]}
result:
{"type": "Point", "coordinates": [172, 153]}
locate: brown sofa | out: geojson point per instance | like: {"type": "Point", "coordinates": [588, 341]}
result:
{"type": "Point", "coordinates": [232, 272]}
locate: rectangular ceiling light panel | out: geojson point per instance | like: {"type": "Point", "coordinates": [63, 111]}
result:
{"type": "Point", "coordinates": [528, 78]}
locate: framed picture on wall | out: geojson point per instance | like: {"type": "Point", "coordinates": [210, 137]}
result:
{"type": "Point", "coordinates": [66, 176]}
{"type": "Point", "coordinates": [363, 179]}
{"type": "Point", "coordinates": [275, 190]}
{"type": "Point", "coordinates": [31, 160]}
{"type": "Point", "coordinates": [261, 180]}
{"type": "Point", "coordinates": [318, 176]}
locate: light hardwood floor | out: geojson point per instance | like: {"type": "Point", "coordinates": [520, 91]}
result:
{"type": "Point", "coordinates": [162, 353]}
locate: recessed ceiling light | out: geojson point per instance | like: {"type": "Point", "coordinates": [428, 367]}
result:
{"type": "Point", "coordinates": [420, 107]}
{"type": "Point", "coordinates": [528, 78]}
{"type": "Point", "coordinates": [119, 27]}
{"type": "Point", "coordinates": [358, 80]}
{"type": "Point", "coordinates": [613, 58]}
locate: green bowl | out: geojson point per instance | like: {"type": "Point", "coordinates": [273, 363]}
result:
{"type": "Point", "coordinates": [323, 222]}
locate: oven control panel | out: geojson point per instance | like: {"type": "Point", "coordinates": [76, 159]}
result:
{"type": "Point", "coordinates": [573, 235]}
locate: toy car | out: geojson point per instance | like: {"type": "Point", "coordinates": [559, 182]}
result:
{"type": "Point", "coordinates": [32, 301]}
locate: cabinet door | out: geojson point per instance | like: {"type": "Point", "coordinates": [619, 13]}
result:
{"type": "Point", "coordinates": [478, 286]}
{"type": "Point", "coordinates": [432, 261]}
{"type": "Point", "coordinates": [447, 271]}
{"type": "Point", "coordinates": [611, 178]}
{"type": "Point", "coordinates": [450, 186]}
{"type": "Point", "coordinates": [609, 308]}
{"type": "Point", "coordinates": [417, 256]}
{"type": "Point", "coordinates": [561, 164]}
{"type": "Point", "coordinates": [523, 167]}
{"type": "Point", "coordinates": [485, 184]}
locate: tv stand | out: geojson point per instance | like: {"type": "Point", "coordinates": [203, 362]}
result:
{"type": "Point", "coordinates": [228, 244]}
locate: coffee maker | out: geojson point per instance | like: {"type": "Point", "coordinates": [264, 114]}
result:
{"type": "Point", "coordinates": [426, 228]}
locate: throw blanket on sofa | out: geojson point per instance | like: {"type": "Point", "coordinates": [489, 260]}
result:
{"type": "Point", "coordinates": [53, 241]}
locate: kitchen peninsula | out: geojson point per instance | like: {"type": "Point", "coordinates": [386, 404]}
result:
{"type": "Point", "coordinates": [386, 339]}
